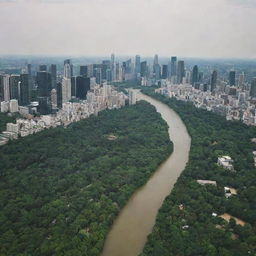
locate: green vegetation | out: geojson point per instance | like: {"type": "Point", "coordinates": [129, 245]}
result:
{"type": "Point", "coordinates": [61, 189]}
{"type": "Point", "coordinates": [192, 230]}
{"type": "Point", "coordinates": [5, 118]}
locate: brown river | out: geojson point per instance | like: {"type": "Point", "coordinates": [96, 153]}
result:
{"type": "Point", "coordinates": [129, 232]}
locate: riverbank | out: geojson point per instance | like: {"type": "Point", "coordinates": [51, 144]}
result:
{"type": "Point", "coordinates": [188, 223]}
{"type": "Point", "coordinates": [134, 223]}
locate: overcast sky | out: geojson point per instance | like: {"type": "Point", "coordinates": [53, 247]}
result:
{"type": "Point", "coordinates": [188, 28]}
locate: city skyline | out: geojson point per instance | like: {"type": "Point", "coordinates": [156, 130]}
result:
{"type": "Point", "coordinates": [222, 29]}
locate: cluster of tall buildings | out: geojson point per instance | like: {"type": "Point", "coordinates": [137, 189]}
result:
{"type": "Point", "coordinates": [99, 98]}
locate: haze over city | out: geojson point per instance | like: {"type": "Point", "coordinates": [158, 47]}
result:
{"type": "Point", "coordinates": [198, 28]}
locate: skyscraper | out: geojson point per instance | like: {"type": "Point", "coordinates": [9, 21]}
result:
{"type": "Point", "coordinates": [84, 71]}
{"type": "Point", "coordinates": [59, 95]}
{"type": "Point", "coordinates": [165, 72]}
{"type": "Point", "coordinates": [98, 76]}
{"type": "Point", "coordinates": [44, 83]}
{"type": "Point", "coordinates": [53, 72]}
{"type": "Point", "coordinates": [156, 59]}
{"type": "Point", "coordinates": [54, 98]}
{"type": "Point", "coordinates": [143, 69]}
{"type": "Point", "coordinates": [137, 65]}
{"type": "Point", "coordinates": [241, 80]}
{"type": "Point", "coordinates": [157, 71]}
{"type": "Point", "coordinates": [173, 66]}
{"type": "Point", "coordinates": [253, 88]}
{"type": "Point", "coordinates": [82, 86]}
{"type": "Point", "coordinates": [29, 70]}
{"type": "Point", "coordinates": [24, 90]}
{"type": "Point", "coordinates": [14, 86]}
{"type": "Point", "coordinates": [232, 78]}
{"type": "Point", "coordinates": [4, 87]}
{"type": "Point", "coordinates": [214, 80]}
{"type": "Point", "coordinates": [180, 71]}
{"type": "Point", "coordinates": [66, 81]}
{"type": "Point", "coordinates": [43, 68]}
{"type": "Point", "coordinates": [195, 75]}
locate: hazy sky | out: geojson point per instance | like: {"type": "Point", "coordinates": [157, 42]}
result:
{"type": "Point", "coordinates": [188, 28]}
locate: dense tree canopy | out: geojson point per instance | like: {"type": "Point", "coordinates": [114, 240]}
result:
{"type": "Point", "coordinates": [185, 225]}
{"type": "Point", "coordinates": [61, 189]}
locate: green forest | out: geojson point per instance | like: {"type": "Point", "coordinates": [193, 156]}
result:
{"type": "Point", "coordinates": [185, 225]}
{"type": "Point", "coordinates": [61, 189]}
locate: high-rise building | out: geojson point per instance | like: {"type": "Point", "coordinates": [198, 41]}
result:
{"type": "Point", "coordinates": [143, 69]}
{"type": "Point", "coordinates": [44, 83]}
{"type": "Point", "coordinates": [82, 86]}
{"type": "Point", "coordinates": [105, 66]}
{"type": "Point", "coordinates": [195, 75]}
{"type": "Point", "coordinates": [84, 71]}
{"type": "Point", "coordinates": [29, 71]}
{"type": "Point", "coordinates": [113, 67]}
{"type": "Point", "coordinates": [59, 95]}
{"type": "Point", "coordinates": [4, 87]}
{"type": "Point", "coordinates": [66, 89]}
{"type": "Point", "coordinates": [53, 72]}
{"type": "Point", "coordinates": [241, 80]}
{"type": "Point", "coordinates": [98, 76]}
{"type": "Point", "coordinates": [44, 105]}
{"type": "Point", "coordinates": [180, 71]}
{"type": "Point", "coordinates": [232, 78]}
{"type": "Point", "coordinates": [43, 68]}
{"type": "Point", "coordinates": [14, 86]}
{"type": "Point", "coordinates": [70, 69]}
{"type": "Point", "coordinates": [214, 80]}
{"type": "Point", "coordinates": [173, 66]}
{"type": "Point", "coordinates": [165, 71]}
{"type": "Point", "coordinates": [66, 81]}
{"type": "Point", "coordinates": [137, 65]}
{"type": "Point", "coordinates": [157, 71]}
{"type": "Point", "coordinates": [253, 88]}
{"type": "Point", "coordinates": [54, 98]}
{"type": "Point", "coordinates": [73, 86]}
{"type": "Point", "coordinates": [156, 59]}
{"type": "Point", "coordinates": [24, 90]}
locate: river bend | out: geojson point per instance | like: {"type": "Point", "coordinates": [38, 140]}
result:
{"type": "Point", "coordinates": [129, 232]}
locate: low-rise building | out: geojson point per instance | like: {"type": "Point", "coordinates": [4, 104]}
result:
{"type": "Point", "coordinates": [226, 162]}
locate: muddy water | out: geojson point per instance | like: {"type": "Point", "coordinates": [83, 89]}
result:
{"type": "Point", "coordinates": [129, 232]}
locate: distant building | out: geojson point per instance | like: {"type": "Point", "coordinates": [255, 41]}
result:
{"type": "Point", "coordinates": [180, 71]}
{"type": "Point", "coordinates": [253, 88]}
{"type": "Point", "coordinates": [14, 86]}
{"type": "Point", "coordinates": [24, 90]}
{"type": "Point", "coordinates": [195, 75]}
{"type": "Point", "coordinates": [82, 86]}
{"type": "Point", "coordinates": [43, 68]}
{"type": "Point", "coordinates": [84, 71]}
{"type": "Point", "coordinates": [53, 72]}
{"type": "Point", "coordinates": [137, 65]}
{"type": "Point", "coordinates": [232, 78]}
{"type": "Point", "coordinates": [214, 80]}
{"type": "Point", "coordinates": [143, 69]}
{"type": "Point", "coordinates": [165, 72]}
{"type": "Point", "coordinates": [173, 66]}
